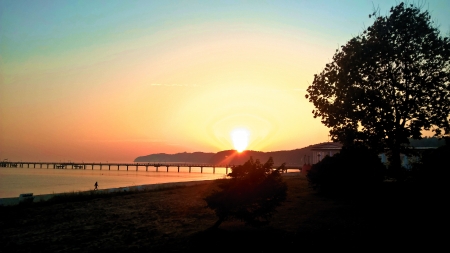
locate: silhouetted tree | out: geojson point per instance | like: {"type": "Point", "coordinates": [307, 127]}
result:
{"type": "Point", "coordinates": [251, 194]}
{"type": "Point", "coordinates": [387, 84]}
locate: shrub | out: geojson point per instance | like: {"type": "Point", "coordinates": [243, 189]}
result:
{"type": "Point", "coordinates": [250, 195]}
{"type": "Point", "coordinates": [355, 170]}
{"type": "Point", "coordinates": [431, 171]}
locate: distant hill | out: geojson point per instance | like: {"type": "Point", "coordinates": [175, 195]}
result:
{"type": "Point", "coordinates": [294, 157]}
{"type": "Point", "coordinates": [196, 157]}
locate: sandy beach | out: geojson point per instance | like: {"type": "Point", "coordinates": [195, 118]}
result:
{"type": "Point", "coordinates": [176, 220]}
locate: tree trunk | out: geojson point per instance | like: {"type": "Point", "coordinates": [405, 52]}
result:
{"type": "Point", "coordinates": [395, 164]}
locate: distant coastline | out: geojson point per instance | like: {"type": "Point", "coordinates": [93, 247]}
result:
{"type": "Point", "coordinates": [294, 157]}
{"type": "Point", "coordinates": [290, 157]}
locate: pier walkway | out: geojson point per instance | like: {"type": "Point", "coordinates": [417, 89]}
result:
{"type": "Point", "coordinates": [136, 165]}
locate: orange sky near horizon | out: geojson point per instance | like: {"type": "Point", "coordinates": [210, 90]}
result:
{"type": "Point", "coordinates": [87, 82]}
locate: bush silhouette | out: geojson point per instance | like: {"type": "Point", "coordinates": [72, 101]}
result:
{"type": "Point", "coordinates": [250, 195]}
{"type": "Point", "coordinates": [355, 170]}
{"type": "Point", "coordinates": [431, 172]}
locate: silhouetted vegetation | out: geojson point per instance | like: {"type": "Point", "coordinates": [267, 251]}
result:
{"type": "Point", "coordinates": [387, 84]}
{"type": "Point", "coordinates": [355, 170]}
{"type": "Point", "coordinates": [251, 195]}
{"type": "Point", "coordinates": [432, 170]}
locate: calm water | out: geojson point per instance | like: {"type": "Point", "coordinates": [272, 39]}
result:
{"type": "Point", "coordinates": [14, 181]}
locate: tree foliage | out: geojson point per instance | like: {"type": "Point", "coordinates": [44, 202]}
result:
{"type": "Point", "coordinates": [251, 194]}
{"type": "Point", "coordinates": [353, 171]}
{"type": "Point", "coordinates": [387, 84]}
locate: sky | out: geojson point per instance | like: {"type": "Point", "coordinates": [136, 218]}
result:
{"type": "Point", "coordinates": [99, 81]}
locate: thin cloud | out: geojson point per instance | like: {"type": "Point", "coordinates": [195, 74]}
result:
{"type": "Point", "coordinates": [286, 90]}
{"type": "Point", "coordinates": [174, 85]}
{"type": "Point", "coordinates": [126, 140]}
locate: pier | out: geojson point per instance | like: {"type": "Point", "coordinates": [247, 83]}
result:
{"type": "Point", "coordinates": [125, 166]}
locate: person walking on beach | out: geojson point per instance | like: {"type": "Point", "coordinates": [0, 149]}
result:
{"type": "Point", "coordinates": [96, 186]}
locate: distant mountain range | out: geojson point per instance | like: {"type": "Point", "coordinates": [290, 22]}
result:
{"type": "Point", "coordinates": [296, 157]}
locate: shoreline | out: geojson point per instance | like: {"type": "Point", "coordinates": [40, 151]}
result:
{"type": "Point", "coordinates": [14, 182]}
{"type": "Point", "coordinates": [29, 197]}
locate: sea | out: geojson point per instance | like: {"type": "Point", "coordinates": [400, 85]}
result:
{"type": "Point", "coordinates": [18, 180]}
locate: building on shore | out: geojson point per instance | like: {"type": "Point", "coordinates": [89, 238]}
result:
{"type": "Point", "coordinates": [320, 151]}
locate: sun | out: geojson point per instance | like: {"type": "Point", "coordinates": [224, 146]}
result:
{"type": "Point", "coordinates": [240, 137]}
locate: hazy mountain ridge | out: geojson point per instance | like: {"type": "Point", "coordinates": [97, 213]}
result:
{"type": "Point", "coordinates": [296, 157]}
{"type": "Point", "coordinates": [290, 157]}
{"type": "Point", "coordinates": [196, 157]}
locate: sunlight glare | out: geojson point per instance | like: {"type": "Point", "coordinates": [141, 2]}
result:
{"type": "Point", "coordinates": [240, 139]}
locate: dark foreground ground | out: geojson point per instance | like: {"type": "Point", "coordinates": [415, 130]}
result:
{"type": "Point", "coordinates": [176, 220]}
